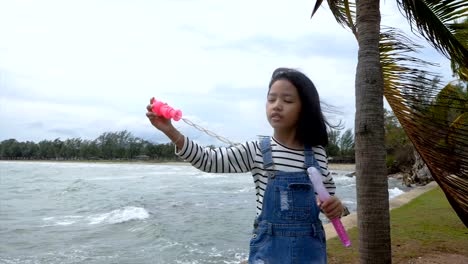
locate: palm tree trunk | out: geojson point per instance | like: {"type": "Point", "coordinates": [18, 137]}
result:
{"type": "Point", "coordinates": [372, 183]}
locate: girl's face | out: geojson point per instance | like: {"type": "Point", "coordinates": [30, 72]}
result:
{"type": "Point", "coordinates": [283, 105]}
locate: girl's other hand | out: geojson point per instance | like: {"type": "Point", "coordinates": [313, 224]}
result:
{"type": "Point", "coordinates": [332, 208]}
{"type": "Point", "coordinates": [159, 122]}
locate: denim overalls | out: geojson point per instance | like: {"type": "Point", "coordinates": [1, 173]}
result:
{"type": "Point", "coordinates": [288, 230]}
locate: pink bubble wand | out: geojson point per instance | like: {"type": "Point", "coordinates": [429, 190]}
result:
{"type": "Point", "coordinates": [323, 194]}
{"type": "Point", "coordinates": [162, 109]}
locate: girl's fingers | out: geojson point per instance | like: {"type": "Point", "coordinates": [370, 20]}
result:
{"type": "Point", "coordinates": [333, 214]}
{"type": "Point", "coordinates": [335, 205]}
{"type": "Point", "coordinates": [151, 115]}
{"type": "Point", "coordinates": [330, 204]}
{"type": "Point", "coordinates": [332, 208]}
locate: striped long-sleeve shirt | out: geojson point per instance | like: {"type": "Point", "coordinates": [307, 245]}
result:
{"type": "Point", "coordinates": [248, 157]}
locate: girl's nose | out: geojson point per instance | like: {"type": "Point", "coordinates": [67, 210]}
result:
{"type": "Point", "coordinates": [277, 105]}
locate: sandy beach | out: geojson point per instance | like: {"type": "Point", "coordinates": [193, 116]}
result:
{"type": "Point", "coordinates": [342, 167]}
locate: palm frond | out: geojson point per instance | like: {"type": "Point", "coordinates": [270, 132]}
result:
{"type": "Point", "coordinates": [460, 124]}
{"type": "Point", "coordinates": [461, 32]}
{"type": "Point", "coordinates": [438, 22]}
{"type": "Point", "coordinates": [403, 73]}
{"type": "Point", "coordinates": [422, 110]}
{"type": "Point", "coordinates": [344, 12]}
{"type": "Point", "coordinates": [318, 3]}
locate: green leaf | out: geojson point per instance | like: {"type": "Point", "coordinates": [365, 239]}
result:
{"type": "Point", "coordinates": [439, 23]}
{"type": "Point", "coordinates": [458, 128]}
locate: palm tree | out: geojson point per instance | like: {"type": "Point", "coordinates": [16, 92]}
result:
{"type": "Point", "coordinates": [386, 67]}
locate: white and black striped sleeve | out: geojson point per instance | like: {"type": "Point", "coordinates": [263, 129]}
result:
{"type": "Point", "coordinates": [238, 158]}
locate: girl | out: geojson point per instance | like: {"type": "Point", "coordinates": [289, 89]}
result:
{"type": "Point", "coordinates": [287, 228]}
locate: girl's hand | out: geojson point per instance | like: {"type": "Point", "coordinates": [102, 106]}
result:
{"type": "Point", "coordinates": [159, 122]}
{"type": "Point", "coordinates": [332, 207]}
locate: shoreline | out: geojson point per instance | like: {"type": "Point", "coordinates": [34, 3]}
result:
{"type": "Point", "coordinates": [128, 162]}
{"type": "Point", "coordinates": [331, 166]}
{"type": "Point", "coordinates": [351, 167]}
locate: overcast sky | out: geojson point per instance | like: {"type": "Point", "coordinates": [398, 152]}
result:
{"type": "Point", "coordinates": [73, 69]}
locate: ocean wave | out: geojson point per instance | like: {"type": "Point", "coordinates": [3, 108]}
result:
{"type": "Point", "coordinates": [348, 201]}
{"type": "Point", "coordinates": [169, 244]}
{"type": "Point", "coordinates": [117, 216]}
{"type": "Point", "coordinates": [71, 255]}
{"type": "Point", "coordinates": [61, 220]}
{"type": "Point", "coordinates": [211, 176]}
{"type": "Point", "coordinates": [245, 190]}
{"type": "Point", "coordinates": [187, 262]}
{"type": "Point", "coordinates": [122, 215]}
{"type": "Point", "coordinates": [114, 178]}
{"type": "Point", "coordinates": [79, 185]}
{"type": "Point", "coordinates": [211, 255]}
{"type": "Point", "coordinates": [342, 180]}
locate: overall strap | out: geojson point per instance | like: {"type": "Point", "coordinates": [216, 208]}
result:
{"type": "Point", "coordinates": [265, 147]}
{"type": "Point", "coordinates": [309, 158]}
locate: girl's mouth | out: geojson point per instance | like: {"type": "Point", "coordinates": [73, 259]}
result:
{"type": "Point", "coordinates": [275, 117]}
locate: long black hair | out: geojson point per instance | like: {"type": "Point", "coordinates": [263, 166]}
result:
{"type": "Point", "coordinates": [311, 128]}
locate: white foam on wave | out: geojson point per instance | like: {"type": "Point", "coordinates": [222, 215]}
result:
{"type": "Point", "coordinates": [187, 262]}
{"type": "Point", "coordinates": [112, 178]}
{"type": "Point", "coordinates": [169, 244]}
{"type": "Point", "coordinates": [61, 220]}
{"type": "Point", "coordinates": [392, 193]}
{"type": "Point", "coordinates": [238, 258]}
{"type": "Point", "coordinates": [214, 254]}
{"type": "Point", "coordinates": [348, 201]}
{"type": "Point", "coordinates": [211, 176]}
{"type": "Point", "coordinates": [244, 190]}
{"type": "Point", "coordinates": [344, 180]}
{"type": "Point", "coordinates": [65, 223]}
{"type": "Point", "coordinates": [122, 215]}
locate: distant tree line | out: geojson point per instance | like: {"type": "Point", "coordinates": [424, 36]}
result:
{"type": "Point", "coordinates": [399, 149]}
{"type": "Point", "coordinates": [340, 148]}
{"type": "Point", "coordinates": [108, 146]}
{"type": "Point", "coordinates": [123, 145]}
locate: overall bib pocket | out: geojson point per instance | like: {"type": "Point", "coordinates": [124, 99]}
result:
{"type": "Point", "coordinates": [296, 201]}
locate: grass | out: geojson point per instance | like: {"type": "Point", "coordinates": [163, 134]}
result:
{"type": "Point", "coordinates": [426, 225]}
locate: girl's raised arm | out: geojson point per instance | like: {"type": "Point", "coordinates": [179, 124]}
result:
{"type": "Point", "coordinates": [233, 159]}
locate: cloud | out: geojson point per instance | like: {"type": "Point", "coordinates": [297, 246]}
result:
{"type": "Point", "coordinates": [78, 69]}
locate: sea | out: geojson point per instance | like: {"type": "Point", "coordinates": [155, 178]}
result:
{"type": "Point", "coordinates": [78, 212]}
